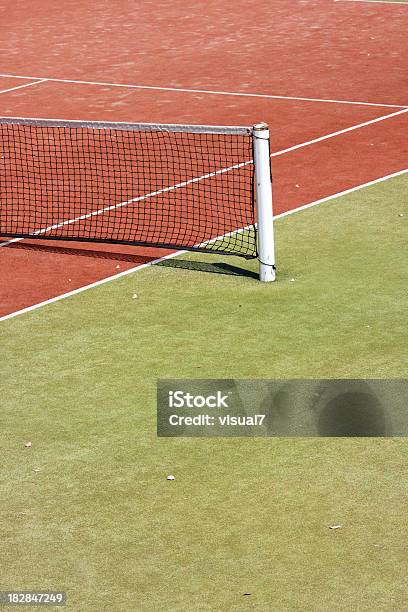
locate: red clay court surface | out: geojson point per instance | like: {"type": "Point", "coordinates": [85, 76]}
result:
{"type": "Point", "coordinates": [348, 58]}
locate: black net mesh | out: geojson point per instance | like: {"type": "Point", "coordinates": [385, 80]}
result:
{"type": "Point", "coordinates": [180, 190]}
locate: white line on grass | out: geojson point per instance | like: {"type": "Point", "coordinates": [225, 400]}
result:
{"type": "Point", "coordinates": [21, 86]}
{"type": "Point", "coordinates": [198, 179]}
{"type": "Point", "coordinates": [176, 253]}
{"type": "Point", "coordinates": [90, 286]}
{"type": "Point", "coordinates": [208, 91]}
{"type": "Point", "coordinates": [340, 193]}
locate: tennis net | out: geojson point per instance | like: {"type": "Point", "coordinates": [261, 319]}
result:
{"type": "Point", "coordinates": [171, 186]}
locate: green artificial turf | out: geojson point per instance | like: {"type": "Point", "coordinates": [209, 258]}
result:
{"type": "Point", "coordinates": [88, 508]}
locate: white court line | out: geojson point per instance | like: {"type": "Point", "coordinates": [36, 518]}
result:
{"type": "Point", "coordinates": [198, 179]}
{"type": "Point", "coordinates": [341, 193]}
{"type": "Point", "coordinates": [175, 254]}
{"type": "Point", "coordinates": [339, 132]}
{"type": "Point", "coordinates": [374, 1]}
{"type": "Point", "coordinates": [21, 86]}
{"type": "Point", "coordinates": [208, 91]}
{"type": "Point", "coordinates": [3, 244]}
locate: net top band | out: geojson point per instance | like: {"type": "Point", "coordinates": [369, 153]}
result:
{"type": "Point", "coordinates": [128, 127]}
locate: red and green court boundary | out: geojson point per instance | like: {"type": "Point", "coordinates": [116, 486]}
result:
{"type": "Point", "coordinates": [333, 126]}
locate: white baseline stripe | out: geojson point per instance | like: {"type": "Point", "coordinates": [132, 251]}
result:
{"type": "Point", "coordinates": [175, 254]}
{"type": "Point", "coordinates": [209, 91]}
{"type": "Point", "coordinates": [21, 86]}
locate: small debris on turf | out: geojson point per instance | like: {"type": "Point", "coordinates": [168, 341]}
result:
{"type": "Point", "coordinates": [401, 215]}
{"type": "Point", "coordinates": [117, 267]}
{"type": "Point", "coordinates": [36, 470]}
{"type": "Point", "coordinates": [69, 280]}
{"type": "Point", "coordinates": [247, 593]}
{"type": "Point", "coordinates": [171, 477]}
{"type": "Point", "coordinates": [297, 185]}
{"type": "Point", "coordinates": [335, 526]}
{"type": "Point", "coordinates": [28, 444]}
{"type": "Point", "coordinates": [292, 280]}
{"type": "Point", "coordinates": [134, 296]}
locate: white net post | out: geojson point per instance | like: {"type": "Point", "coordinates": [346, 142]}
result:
{"type": "Point", "coordinates": [262, 162]}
